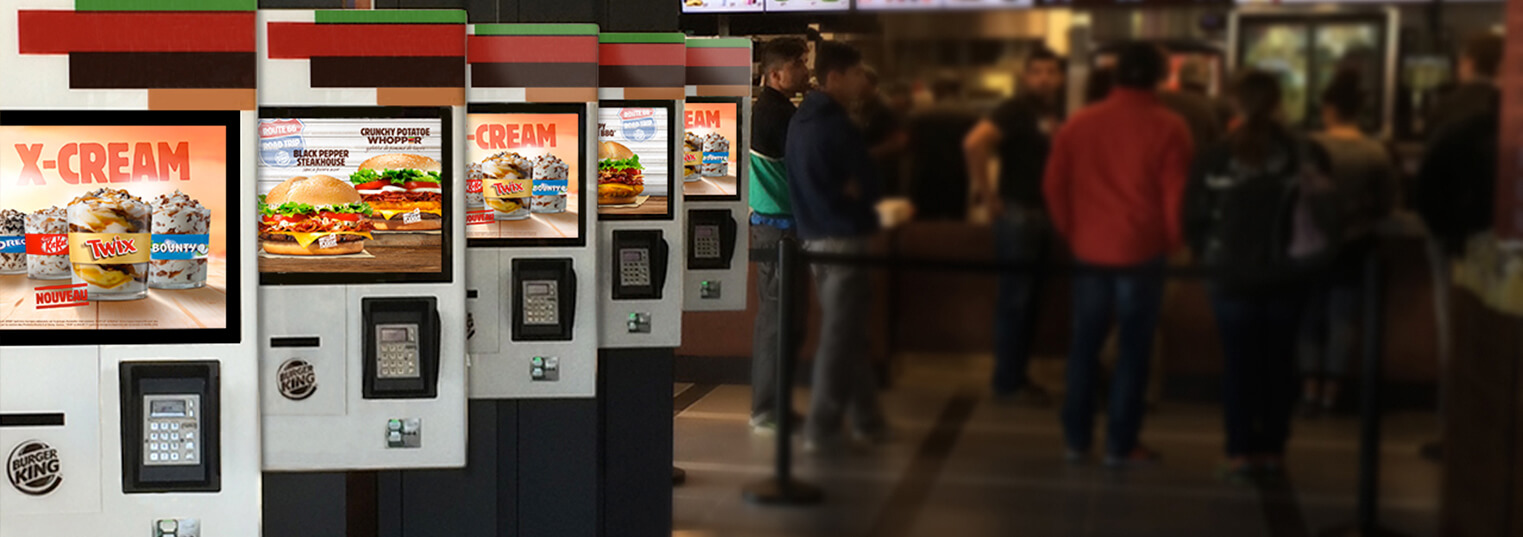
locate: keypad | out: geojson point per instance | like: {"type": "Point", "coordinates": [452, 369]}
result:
{"type": "Point", "coordinates": [170, 437]}
{"type": "Point", "coordinates": [634, 271]}
{"type": "Point", "coordinates": [706, 242]}
{"type": "Point", "coordinates": [397, 359]}
{"type": "Point", "coordinates": [542, 306]}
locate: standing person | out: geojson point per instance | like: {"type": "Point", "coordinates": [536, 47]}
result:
{"type": "Point", "coordinates": [1021, 131]}
{"type": "Point", "coordinates": [785, 73]}
{"type": "Point", "coordinates": [1192, 102]}
{"type": "Point", "coordinates": [1237, 218]}
{"type": "Point", "coordinates": [1476, 74]}
{"type": "Point", "coordinates": [1114, 187]}
{"type": "Point", "coordinates": [1364, 180]}
{"type": "Point", "coordinates": [834, 188]}
{"type": "Point", "coordinates": [884, 130]}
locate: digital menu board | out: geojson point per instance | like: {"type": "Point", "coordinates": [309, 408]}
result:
{"type": "Point", "coordinates": [985, 4]}
{"type": "Point", "coordinates": [710, 163]}
{"type": "Point", "coordinates": [354, 195]}
{"type": "Point", "coordinates": [634, 159]}
{"type": "Point", "coordinates": [525, 176]}
{"type": "Point", "coordinates": [119, 222]}
{"type": "Point", "coordinates": [722, 6]}
{"type": "Point", "coordinates": [890, 5]}
{"type": "Point", "coordinates": [808, 5]}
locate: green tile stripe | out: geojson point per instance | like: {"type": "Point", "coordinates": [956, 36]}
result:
{"type": "Point", "coordinates": [536, 29]}
{"type": "Point", "coordinates": [724, 42]}
{"type": "Point", "coordinates": [391, 16]}
{"type": "Point", "coordinates": [166, 5]}
{"type": "Point", "coordinates": [642, 38]}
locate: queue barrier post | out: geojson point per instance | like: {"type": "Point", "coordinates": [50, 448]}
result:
{"type": "Point", "coordinates": [782, 488]}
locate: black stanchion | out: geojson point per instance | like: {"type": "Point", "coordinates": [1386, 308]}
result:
{"type": "Point", "coordinates": [1367, 518]}
{"type": "Point", "coordinates": [782, 488]}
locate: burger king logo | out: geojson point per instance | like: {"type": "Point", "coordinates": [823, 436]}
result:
{"type": "Point", "coordinates": [297, 379]}
{"type": "Point", "coordinates": [34, 468]}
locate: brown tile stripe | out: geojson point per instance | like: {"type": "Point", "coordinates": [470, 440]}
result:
{"type": "Point", "coordinates": [420, 96]}
{"type": "Point", "coordinates": [139, 70]}
{"type": "Point", "coordinates": [724, 91]}
{"type": "Point", "coordinates": [534, 75]}
{"type": "Point", "coordinates": [202, 99]}
{"type": "Point", "coordinates": [654, 94]}
{"type": "Point", "coordinates": [561, 95]}
{"type": "Point", "coordinates": [719, 76]}
{"type": "Point", "coordinates": [642, 76]}
{"type": "Point", "coordinates": [388, 72]}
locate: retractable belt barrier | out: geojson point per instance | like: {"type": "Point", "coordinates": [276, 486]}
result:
{"type": "Point", "coordinates": [783, 489]}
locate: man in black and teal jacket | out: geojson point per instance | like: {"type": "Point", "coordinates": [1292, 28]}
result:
{"type": "Point", "coordinates": [785, 73]}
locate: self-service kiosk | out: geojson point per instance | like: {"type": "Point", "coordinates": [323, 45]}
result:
{"type": "Point", "coordinates": [716, 135]}
{"type": "Point", "coordinates": [128, 391]}
{"type": "Point", "coordinates": [361, 246]}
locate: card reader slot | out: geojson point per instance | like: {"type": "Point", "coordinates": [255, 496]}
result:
{"type": "Point", "coordinates": [39, 419]}
{"type": "Point", "coordinates": [295, 342]}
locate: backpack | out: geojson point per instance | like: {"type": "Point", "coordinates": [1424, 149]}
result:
{"type": "Point", "coordinates": [1266, 224]}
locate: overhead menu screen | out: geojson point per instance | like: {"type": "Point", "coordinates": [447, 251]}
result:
{"type": "Point", "coordinates": [722, 6]}
{"type": "Point", "coordinates": [119, 222]}
{"type": "Point", "coordinates": [526, 174]}
{"type": "Point", "coordinates": [808, 5]}
{"type": "Point", "coordinates": [888, 5]}
{"type": "Point", "coordinates": [635, 168]}
{"type": "Point", "coordinates": [354, 195]}
{"type": "Point", "coordinates": [710, 156]}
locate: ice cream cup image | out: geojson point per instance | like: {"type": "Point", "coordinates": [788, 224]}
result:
{"type": "Point", "coordinates": [550, 175]}
{"type": "Point", "coordinates": [47, 244]}
{"type": "Point", "coordinates": [110, 243]}
{"type": "Point", "coordinates": [12, 242]}
{"type": "Point", "coordinates": [507, 185]}
{"type": "Point", "coordinates": [181, 242]}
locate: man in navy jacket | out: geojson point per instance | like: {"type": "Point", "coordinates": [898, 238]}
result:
{"type": "Point", "coordinates": [835, 189]}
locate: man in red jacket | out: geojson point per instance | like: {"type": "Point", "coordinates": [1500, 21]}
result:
{"type": "Point", "coordinates": [1114, 186]}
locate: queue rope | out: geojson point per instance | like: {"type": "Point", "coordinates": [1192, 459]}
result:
{"type": "Point", "coordinates": [784, 489]}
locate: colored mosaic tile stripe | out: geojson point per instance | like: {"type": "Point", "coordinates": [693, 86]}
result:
{"type": "Point", "coordinates": [718, 57]}
{"type": "Point", "coordinates": [388, 72]}
{"type": "Point", "coordinates": [718, 76]}
{"type": "Point", "coordinates": [534, 75]}
{"type": "Point", "coordinates": [295, 40]}
{"type": "Point", "coordinates": [532, 49]}
{"type": "Point", "coordinates": [391, 16]}
{"type": "Point", "coordinates": [641, 54]}
{"type": "Point", "coordinates": [166, 5]}
{"type": "Point", "coordinates": [642, 38]}
{"type": "Point", "coordinates": [642, 76]}
{"type": "Point", "coordinates": [537, 29]}
{"type": "Point", "coordinates": [62, 32]}
{"type": "Point", "coordinates": [139, 70]}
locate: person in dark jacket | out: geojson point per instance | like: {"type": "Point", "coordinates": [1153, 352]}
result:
{"type": "Point", "coordinates": [1020, 130]}
{"type": "Point", "coordinates": [1477, 90]}
{"type": "Point", "coordinates": [1236, 219]}
{"type": "Point", "coordinates": [785, 73]}
{"type": "Point", "coordinates": [835, 189]}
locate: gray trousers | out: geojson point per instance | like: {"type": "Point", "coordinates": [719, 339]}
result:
{"type": "Point", "coordinates": [764, 343]}
{"type": "Point", "coordinates": [844, 383]}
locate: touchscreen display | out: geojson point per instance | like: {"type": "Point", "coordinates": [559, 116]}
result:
{"type": "Point", "coordinates": [634, 160]}
{"type": "Point", "coordinates": [524, 174]}
{"type": "Point", "coordinates": [710, 156]}
{"type": "Point", "coordinates": [117, 221]}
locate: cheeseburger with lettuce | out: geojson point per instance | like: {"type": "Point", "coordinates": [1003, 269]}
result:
{"type": "Point", "coordinates": [405, 191]}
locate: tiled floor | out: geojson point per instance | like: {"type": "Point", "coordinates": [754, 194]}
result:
{"type": "Point", "coordinates": [1003, 476]}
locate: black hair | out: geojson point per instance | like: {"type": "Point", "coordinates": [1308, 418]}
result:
{"type": "Point", "coordinates": [1140, 65]}
{"type": "Point", "coordinates": [1258, 97]}
{"type": "Point", "coordinates": [1043, 54]}
{"type": "Point", "coordinates": [779, 53]}
{"type": "Point", "coordinates": [834, 57]}
{"type": "Point", "coordinates": [1098, 86]}
{"type": "Point", "coordinates": [1344, 94]}
{"type": "Point", "coordinates": [1485, 51]}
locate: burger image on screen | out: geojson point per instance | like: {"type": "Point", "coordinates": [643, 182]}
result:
{"type": "Point", "coordinates": [317, 215]}
{"type": "Point", "coordinates": [620, 176]}
{"type": "Point", "coordinates": [405, 191]}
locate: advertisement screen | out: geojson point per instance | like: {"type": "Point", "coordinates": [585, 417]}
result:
{"type": "Point", "coordinates": [634, 159]}
{"type": "Point", "coordinates": [887, 5]}
{"type": "Point", "coordinates": [354, 195]}
{"type": "Point", "coordinates": [808, 5]}
{"type": "Point", "coordinates": [710, 154]}
{"type": "Point", "coordinates": [525, 174]}
{"type": "Point", "coordinates": [119, 222]}
{"type": "Point", "coordinates": [721, 6]}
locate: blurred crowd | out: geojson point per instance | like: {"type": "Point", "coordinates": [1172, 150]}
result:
{"type": "Point", "coordinates": [1138, 176]}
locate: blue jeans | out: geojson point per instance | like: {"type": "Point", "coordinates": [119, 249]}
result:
{"type": "Point", "coordinates": [1133, 299]}
{"type": "Point", "coordinates": [1259, 381]}
{"type": "Point", "coordinates": [1020, 236]}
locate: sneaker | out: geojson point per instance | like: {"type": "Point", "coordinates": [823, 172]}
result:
{"type": "Point", "coordinates": [765, 425]}
{"type": "Point", "coordinates": [1140, 456]}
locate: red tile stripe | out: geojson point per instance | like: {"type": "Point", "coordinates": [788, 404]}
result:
{"type": "Point", "coordinates": [642, 54]}
{"type": "Point", "coordinates": [718, 57]}
{"type": "Point", "coordinates": [532, 49]}
{"type": "Point", "coordinates": [299, 40]}
{"type": "Point", "coordinates": [62, 32]}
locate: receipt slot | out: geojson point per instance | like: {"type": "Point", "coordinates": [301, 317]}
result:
{"type": "Point", "coordinates": [716, 118]}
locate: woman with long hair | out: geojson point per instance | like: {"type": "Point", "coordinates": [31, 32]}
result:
{"type": "Point", "coordinates": [1239, 219]}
